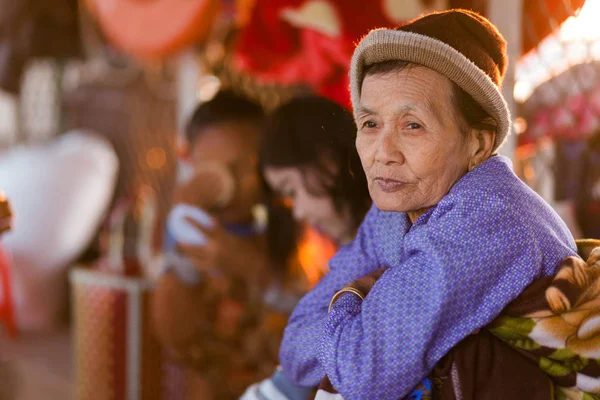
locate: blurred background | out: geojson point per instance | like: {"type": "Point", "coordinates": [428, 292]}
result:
{"type": "Point", "coordinates": [94, 95]}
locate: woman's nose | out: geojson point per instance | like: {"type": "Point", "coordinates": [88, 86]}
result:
{"type": "Point", "coordinates": [388, 148]}
{"type": "Point", "coordinates": [299, 213]}
{"type": "Point", "coordinates": [302, 206]}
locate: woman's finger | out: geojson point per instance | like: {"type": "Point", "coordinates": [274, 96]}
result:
{"type": "Point", "coordinates": [209, 231]}
{"type": "Point", "coordinates": [377, 274]}
{"type": "Point", "coordinates": [195, 224]}
{"type": "Point", "coordinates": [192, 250]}
{"type": "Point", "coordinates": [199, 256]}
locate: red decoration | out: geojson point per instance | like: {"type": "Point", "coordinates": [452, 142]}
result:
{"type": "Point", "coordinates": [157, 28]}
{"type": "Point", "coordinates": [311, 41]}
{"type": "Point", "coordinates": [306, 42]}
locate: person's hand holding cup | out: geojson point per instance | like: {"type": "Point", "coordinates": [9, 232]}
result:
{"type": "Point", "coordinates": [211, 187]}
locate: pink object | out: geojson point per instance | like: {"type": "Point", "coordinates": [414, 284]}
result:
{"type": "Point", "coordinates": [588, 123]}
{"type": "Point", "coordinates": [541, 125]}
{"type": "Point", "coordinates": [577, 103]}
{"type": "Point", "coordinates": [562, 121]}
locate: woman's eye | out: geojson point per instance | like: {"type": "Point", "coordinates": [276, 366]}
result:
{"type": "Point", "coordinates": [413, 125]}
{"type": "Point", "coordinates": [369, 124]}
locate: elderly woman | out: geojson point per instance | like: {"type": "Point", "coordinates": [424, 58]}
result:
{"type": "Point", "coordinates": [453, 236]}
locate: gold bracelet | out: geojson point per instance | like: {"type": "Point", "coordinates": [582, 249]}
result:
{"type": "Point", "coordinates": [347, 289]}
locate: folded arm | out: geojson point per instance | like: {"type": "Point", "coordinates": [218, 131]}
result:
{"type": "Point", "coordinates": [453, 280]}
{"type": "Point", "coordinates": [300, 346]}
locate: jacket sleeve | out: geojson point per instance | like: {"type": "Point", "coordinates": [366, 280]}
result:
{"type": "Point", "coordinates": [457, 274]}
{"type": "Point", "coordinates": [299, 348]}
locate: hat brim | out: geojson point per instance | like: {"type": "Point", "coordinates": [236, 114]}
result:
{"type": "Point", "coordinates": [387, 45]}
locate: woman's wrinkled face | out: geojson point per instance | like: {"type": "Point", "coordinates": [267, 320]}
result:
{"type": "Point", "coordinates": [409, 140]}
{"type": "Point", "coordinates": [310, 201]}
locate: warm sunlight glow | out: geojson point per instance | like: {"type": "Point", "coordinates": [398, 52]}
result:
{"type": "Point", "coordinates": [584, 26]}
{"type": "Point", "coordinates": [577, 41]}
{"type": "Point", "coordinates": [314, 254]}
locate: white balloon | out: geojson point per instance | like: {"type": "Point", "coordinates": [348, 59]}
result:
{"type": "Point", "coordinates": [60, 194]}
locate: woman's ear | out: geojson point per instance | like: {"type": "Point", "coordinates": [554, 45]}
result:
{"type": "Point", "coordinates": [484, 143]}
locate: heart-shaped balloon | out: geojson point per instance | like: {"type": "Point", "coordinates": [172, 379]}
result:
{"type": "Point", "coordinates": [59, 193]}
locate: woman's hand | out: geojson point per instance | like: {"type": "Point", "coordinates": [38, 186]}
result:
{"type": "Point", "coordinates": [5, 214]}
{"type": "Point", "coordinates": [225, 252]}
{"type": "Point", "coordinates": [360, 287]}
{"type": "Point", "coordinates": [365, 283]}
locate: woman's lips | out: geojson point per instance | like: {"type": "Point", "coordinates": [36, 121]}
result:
{"type": "Point", "coordinates": [389, 185]}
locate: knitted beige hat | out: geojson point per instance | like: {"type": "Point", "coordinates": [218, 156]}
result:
{"type": "Point", "coordinates": [459, 44]}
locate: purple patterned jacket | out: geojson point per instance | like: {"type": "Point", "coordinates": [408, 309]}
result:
{"type": "Point", "coordinates": [449, 274]}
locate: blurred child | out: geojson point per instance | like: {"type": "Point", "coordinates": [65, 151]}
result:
{"type": "Point", "coordinates": [208, 302]}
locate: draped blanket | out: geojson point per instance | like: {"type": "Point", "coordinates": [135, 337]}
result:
{"type": "Point", "coordinates": [544, 345]}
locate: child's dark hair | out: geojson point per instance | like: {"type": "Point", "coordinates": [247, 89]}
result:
{"type": "Point", "coordinates": [225, 107]}
{"type": "Point", "coordinates": [316, 133]}
{"type": "Point", "coordinates": [312, 132]}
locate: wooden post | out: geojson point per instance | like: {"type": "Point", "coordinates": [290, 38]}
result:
{"type": "Point", "coordinates": [507, 15]}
